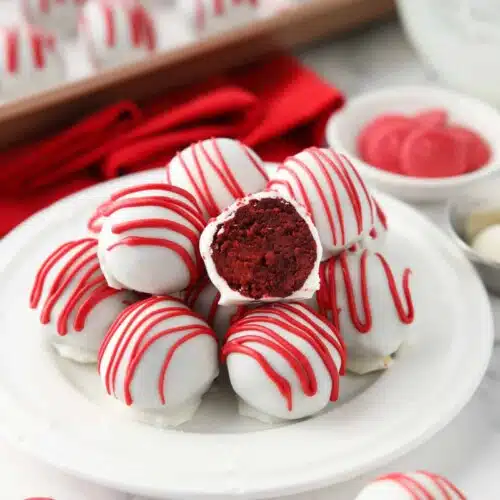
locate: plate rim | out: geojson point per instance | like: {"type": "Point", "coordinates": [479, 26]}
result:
{"type": "Point", "coordinates": [27, 232]}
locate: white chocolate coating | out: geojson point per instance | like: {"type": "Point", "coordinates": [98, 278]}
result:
{"type": "Point", "coordinates": [233, 297]}
{"type": "Point", "coordinates": [71, 275]}
{"type": "Point", "coordinates": [159, 358]}
{"type": "Point", "coordinates": [116, 32]}
{"type": "Point", "coordinates": [217, 172]}
{"type": "Point", "coordinates": [374, 319]}
{"type": "Point", "coordinates": [332, 191]}
{"type": "Point", "coordinates": [377, 237]}
{"type": "Point", "coordinates": [289, 333]}
{"type": "Point", "coordinates": [414, 485]}
{"type": "Point", "coordinates": [149, 243]}
{"type": "Point", "coordinates": [30, 61]}
{"type": "Point", "coordinates": [207, 17]}
{"type": "Point", "coordinates": [204, 299]}
{"type": "Point", "coordinates": [55, 16]}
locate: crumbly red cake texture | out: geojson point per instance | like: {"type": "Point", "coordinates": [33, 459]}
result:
{"type": "Point", "coordinates": [265, 250]}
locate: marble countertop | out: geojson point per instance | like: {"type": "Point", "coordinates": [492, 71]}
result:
{"type": "Point", "coordinates": [468, 450]}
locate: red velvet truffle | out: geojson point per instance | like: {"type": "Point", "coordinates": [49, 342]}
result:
{"type": "Point", "coordinates": [263, 247]}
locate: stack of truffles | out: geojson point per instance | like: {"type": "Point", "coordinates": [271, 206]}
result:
{"type": "Point", "coordinates": [283, 277]}
{"type": "Point", "coordinates": [34, 52]}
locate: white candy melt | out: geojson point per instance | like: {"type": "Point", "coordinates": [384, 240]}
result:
{"type": "Point", "coordinates": [487, 243]}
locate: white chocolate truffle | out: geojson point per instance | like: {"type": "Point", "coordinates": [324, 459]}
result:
{"type": "Point", "coordinates": [207, 17]}
{"type": "Point", "coordinates": [159, 358]}
{"type": "Point", "coordinates": [75, 304]}
{"type": "Point", "coordinates": [284, 362]}
{"type": "Point", "coordinates": [56, 16]}
{"type": "Point", "coordinates": [415, 485]}
{"type": "Point", "coordinates": [262, 248]}
{"type": "Point", "coordinates": [30, 61]}
{"type": "Point", "coordinates": [217, 172]}
{"type": "Point", "coordinates": [330, 188]}
{"type": "Point", "coordinates": [149, 243]}
{"type": "Point", "coordinates": [370, 302]}
{"type": "Point", "coordinates": [487, 243]}
{"type": "Point", "coordinates": [377, 237]}
{"type": "Point", "coordinates": [380, 227]}
{"type": "Point", "coordinates": [204, 299]}
{"type": "Point", "coordinates": [116, 32]}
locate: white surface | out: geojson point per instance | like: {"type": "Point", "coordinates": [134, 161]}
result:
{"type": "Point", "coordinates": [467, 451]}
{"type": "Point", "coordinates": [460, 38]}
{"type": "Point", "coordinates": [344, 127]}
{"type": "Point", "coordinates": [410, 402]}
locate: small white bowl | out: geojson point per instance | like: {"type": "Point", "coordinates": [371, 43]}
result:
{"type": "Point", "coordinates": [344, 127]}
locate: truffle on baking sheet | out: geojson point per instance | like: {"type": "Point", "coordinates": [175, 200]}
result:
{"type": "Point", "coordinates": [159, 358]}
{"type": "Point", "coordinates": [328, 185]}
{"type": "Point", "coordinates": [262, 248]}
{"type": "Point", "coordinates": [411, 486]}
{"type": "Point", "coordinates": [371, 302]}
{"type": "Point", "coordinates": [75, 304]}
{"type": "Point", "coordinates": [207, 17]}
{"type": "Point", "coordinates": [116, 32]}
{"type": "Point", "coordinates": [149, 239]}
{"type": "Point", "coordinates": [57, 16]}
{"type": "Point", "coordinates": [217, 172]}
{"type": "Point", "coordinates": [204, 299]}
{"type": "Point", "coordinates": [30, 61]}
{"type": "Point", "coordinates": [284, 361]}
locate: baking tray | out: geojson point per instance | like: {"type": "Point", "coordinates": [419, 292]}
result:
{"type": "Point", "coordinates": [32, 117]}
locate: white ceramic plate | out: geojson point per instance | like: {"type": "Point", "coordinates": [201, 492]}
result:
{"type": "Point", "coordinates": [59, 412]}
{"type": "Point", "coordinates": [345, 125]}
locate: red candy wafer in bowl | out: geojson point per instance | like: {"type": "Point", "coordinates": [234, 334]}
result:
{"type": "Point", "coordinates": [418, 143]}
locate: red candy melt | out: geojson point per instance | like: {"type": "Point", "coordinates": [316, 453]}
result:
{"type": "Point", "coordinates": [383, 146]}
{"type": "Point", "coordinates": [478, 151]}
{"type": "Point", "coordinates": [433, 152]}
{"type": "Point", "coordinates": [422, 146]}
{"type": "Point", "coordinates": [432, 118]}
{"type": "Point", "coordinates": [373, 126]}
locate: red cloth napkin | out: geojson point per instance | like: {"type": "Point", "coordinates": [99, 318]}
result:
{"type": "Point", "coordinates": [276, 106]}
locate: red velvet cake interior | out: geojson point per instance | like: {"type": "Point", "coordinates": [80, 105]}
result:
{"type": "Point", "coordinates": [265, 250]}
